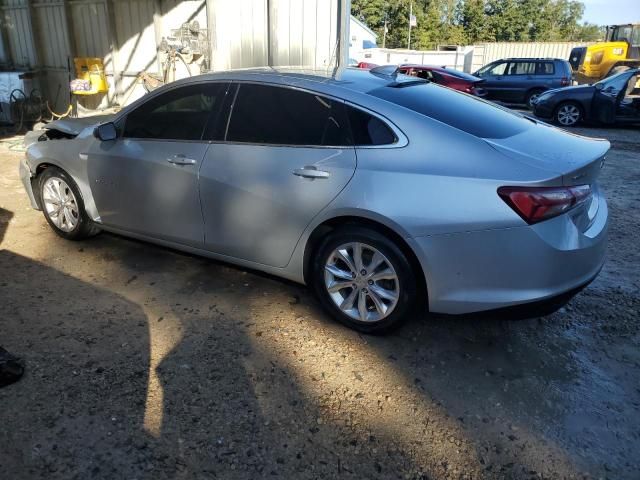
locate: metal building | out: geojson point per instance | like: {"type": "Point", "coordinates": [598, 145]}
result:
{"type": "Point", "coordinates": [41, 37]}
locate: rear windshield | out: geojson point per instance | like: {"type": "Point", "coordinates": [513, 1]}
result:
{"type": "Point", "coordinates": [459, 74]}
{"type": "Point", "coordinates": [460, 111]}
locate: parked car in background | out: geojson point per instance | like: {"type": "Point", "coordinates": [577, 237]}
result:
{"type": "Point", "coordinates": [448, 77]}
{"type": "Point", "coordinates": [615, 99]}
{"type": "Point", "coordinates": [521, 80]}
{"type": "Point", "coordinates": [380, 191]}
{"type": "Point", "coordinates": [367, 65]}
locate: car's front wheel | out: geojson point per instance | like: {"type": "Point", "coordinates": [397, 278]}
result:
{"type": "Point", "coordinates": [364, 280]}
{"type": "Point", "coordinates": [62, 205]}
{"type": "Point", "coordinates": [568, 114]}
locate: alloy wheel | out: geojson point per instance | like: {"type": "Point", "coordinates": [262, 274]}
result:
{"type": "Point", "coordinates": [60, 204]}
{"type": "Point", "coordinates": [568, 115]}
{"type": "Point", "coordinates": [361, 282]}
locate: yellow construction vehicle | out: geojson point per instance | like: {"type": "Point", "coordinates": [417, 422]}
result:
{"type": "Point", "coordinates": [619, 52]}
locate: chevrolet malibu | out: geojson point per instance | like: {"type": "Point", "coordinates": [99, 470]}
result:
{"type": "Point", "coordinates": [383, 192]}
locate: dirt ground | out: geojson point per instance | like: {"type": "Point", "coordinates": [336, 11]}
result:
{"type": "Point", "coordinates": [145, 363]}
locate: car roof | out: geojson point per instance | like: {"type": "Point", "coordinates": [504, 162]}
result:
{"type": "Point", "coordinates": [530, 59]}
{"type": "Point", "coordinates": [355, 79]}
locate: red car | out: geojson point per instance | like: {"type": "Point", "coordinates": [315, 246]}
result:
{"type": "Point", "coordinates": [367, 65]}
{"type": "Point", "coordinates": [448, 77]}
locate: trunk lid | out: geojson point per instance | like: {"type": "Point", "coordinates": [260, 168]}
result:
{"type": "Point", "coordinates": [570, 159]}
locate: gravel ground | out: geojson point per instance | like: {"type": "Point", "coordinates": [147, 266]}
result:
{"type": "Point", "coordinates": [147, 363]}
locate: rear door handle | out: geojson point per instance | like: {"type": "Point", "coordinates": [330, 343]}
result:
{"type": "Point", "coordinates": [310, 171]}
{"type": "Point", "coordinates": [181, 159]}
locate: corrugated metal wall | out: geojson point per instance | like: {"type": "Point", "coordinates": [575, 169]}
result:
{"type": "Point", "coordinates": [249, 33]}
{"type": "Point", "coordinates": [459, 59]}
{"type": "Point", "coordinates": [17, 23]}
{"type": "Point", "coordinates": [488, 52]}
{"type": "Point", "coordinates": [45, 35]}
{"type": "Point", "coordinates": [304, 32]}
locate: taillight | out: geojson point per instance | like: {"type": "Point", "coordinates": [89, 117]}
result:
{"type": "Point", "coordinates": [565, 81]}
{"type": "Point", "coordinates": [535, 204]}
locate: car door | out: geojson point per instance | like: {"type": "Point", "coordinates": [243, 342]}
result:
{"type": "Point", "coordinates": [607, 97]}
{"type": "Point", "coordinates": [519, 79]}
{"type": "Point", "coordinates": [146, 181]}
{"type": "Point", "coordinates": [494, 75]}
{"type": "Point", "coordinates": [287, 154]}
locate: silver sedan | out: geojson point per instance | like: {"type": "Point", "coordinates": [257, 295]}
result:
{"type": "Point", "coordinates": [382, 192]}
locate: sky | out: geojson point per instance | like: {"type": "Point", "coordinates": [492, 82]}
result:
{"type": "Point", "coordinates": [611, 12]}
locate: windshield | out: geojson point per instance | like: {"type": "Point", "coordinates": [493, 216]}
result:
{"type": "Point", "coordinates": [615, 82]}
{"type": "Point", "coordinates": [460, 111]}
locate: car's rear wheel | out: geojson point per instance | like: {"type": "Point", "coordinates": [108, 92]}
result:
{"type": "Point", "coordinates": [532, 97]}
{"type": "Point", "coordinates": [568, 114]}
{"type": "Point", "coordinates": [62, 205]}
{"type": "Point", "coordinates": [364, 280]}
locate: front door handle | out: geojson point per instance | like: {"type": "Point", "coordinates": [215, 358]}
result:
{"type": "Point", "coordinates": [310, 171]}
{"type": "Point", "coordinates": [181, 159]}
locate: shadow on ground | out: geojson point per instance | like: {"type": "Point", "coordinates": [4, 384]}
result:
{"type": "Point", "coordinates": [147, 363]}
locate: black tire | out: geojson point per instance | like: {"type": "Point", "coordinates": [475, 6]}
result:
{"type": "Point", "coordinates": [84, 227]}
{"type": "Point", "coordinates": [557, 113]}
{"type": "Point", "coordinates": [407, 284]}
{"type": "Point", "coordinates": [531, 95]}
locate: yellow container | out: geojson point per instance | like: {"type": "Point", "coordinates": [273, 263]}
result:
{"type": "Point", "coordinates": [92, 70]}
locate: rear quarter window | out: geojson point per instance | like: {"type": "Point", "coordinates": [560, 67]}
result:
{"type": "Point", "coordinates": [466, 113]}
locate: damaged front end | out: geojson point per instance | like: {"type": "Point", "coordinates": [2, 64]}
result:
{"type": "Point", "coordinates": [64, 129]}
{"type": "Point", "coordinates": [58, 153]}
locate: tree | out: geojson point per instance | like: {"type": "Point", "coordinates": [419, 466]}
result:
{"type": "Point", "coordinates": [589, 32]}
{"type": "Point", "coordinates": [473, 19]}
{"type": "Point", "coordinates": [462, 22]}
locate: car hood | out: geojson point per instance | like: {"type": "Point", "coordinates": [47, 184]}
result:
{"type": "Point", "coordinates": [73, 126]}
{"type": "Point", "coordinates": [569, 158]}
{"type": "Point", "coordinates": [574, 89]}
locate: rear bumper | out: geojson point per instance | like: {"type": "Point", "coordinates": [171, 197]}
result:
{"type": "Point", "coordinates": [534, 309]}
{"type": "Point", "coordinates": [25, 176]}
{"type": "Point", "coordinates": [494, 269]}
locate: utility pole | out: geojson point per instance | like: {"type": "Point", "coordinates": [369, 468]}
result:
{"type": "Point", "coordinates": [410, 18]}
{"type": "Point", "coordinates": [384, 35]}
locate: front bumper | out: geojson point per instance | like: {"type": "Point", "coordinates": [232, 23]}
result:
{"type": "Point", "coordinates": [543, 110]}
{"type": "Point", "coordinates": [484, 270]}
{"type": "Point", "coordinates": [26, 176]}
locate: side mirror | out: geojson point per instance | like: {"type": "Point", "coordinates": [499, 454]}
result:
{"type": "Point", "coordinates": [105, 132]}
{"type": "Point", "coordinates": [599, 86]}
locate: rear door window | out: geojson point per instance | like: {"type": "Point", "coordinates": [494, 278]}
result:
{"type": "Point", "coordinates": [522, 68]}
{"type": "Point", "coordinates": [273, 115]}
{"type": "Point", "coordinates": [179, 114]}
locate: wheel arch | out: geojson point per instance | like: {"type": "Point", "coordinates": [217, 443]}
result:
{"type": "Point", "coordinates": [535, 89]}
{"type": "Point", "coordinates": [41, 167]}
{"type": "Point", "coordinates": [321, 230]}
{"type": "Point", "coordinates": [75, 173]}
